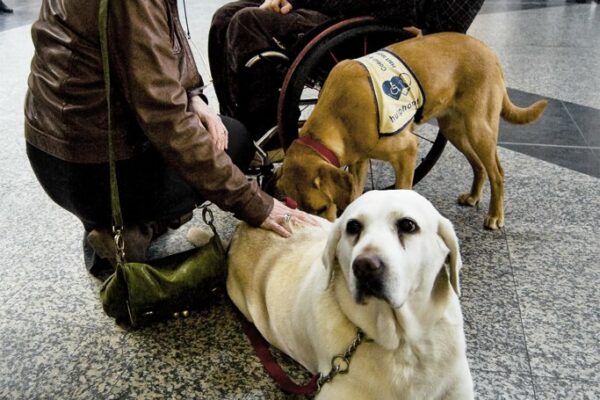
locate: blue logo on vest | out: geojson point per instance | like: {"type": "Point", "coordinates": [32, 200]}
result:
{"type": "Point", "coordinates": [396, 87]}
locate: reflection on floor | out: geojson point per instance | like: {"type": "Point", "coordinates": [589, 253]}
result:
{"type": "Point", "coordinates": [529, 291]}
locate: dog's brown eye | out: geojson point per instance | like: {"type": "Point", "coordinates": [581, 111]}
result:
{"type": "Point", "coordinates": [353, 227]}
{"type": "Point", "coordinates": [321, 210]}
{"type": "Point", "coordinates": [406, 225]}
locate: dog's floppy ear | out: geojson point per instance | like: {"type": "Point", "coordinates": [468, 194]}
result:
{"type": "Point", "coordinates": [331, 248]}
{"type": "Point", "coordinates": [446, 232]}
{"type": "Point", "coordinates": [338, 182]}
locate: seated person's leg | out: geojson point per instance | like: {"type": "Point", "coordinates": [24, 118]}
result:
{"type": "Point", "coordinates": [240, 147]}
{"type": "Point", "coordinates": [217, 49]}
{"type": "Point", "coordinates": [255, 91]}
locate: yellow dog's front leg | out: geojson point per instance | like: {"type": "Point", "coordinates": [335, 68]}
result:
{"type": "Point", "coordinates": [400, 151]}
{"type": "Point", "coordinates": [358, 170]}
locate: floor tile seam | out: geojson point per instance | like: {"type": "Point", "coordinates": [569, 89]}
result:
{"type": "Point", "coordinates": [92, 329]}
{"type": "Point", "coordinates": [113, 385]}
{"type": "Point", "coordinates": [13, 296]}
{"type": "Point", "coordinates": [74, 356]}
{"type": "Point", "coordinates": [516, 293]}
{"type": "Point", "coordinates": [565, 378]}
{"type": "Point", "coordinates": [559, 146]}
{"type": "Point", "coordinates": [505, 11]}
{"type": "Point", "coordinates": [500, 371]}
{"type": "Point", "coordinates": [127, 366]}
{"type": "Point", "coordinates": [576, 124]}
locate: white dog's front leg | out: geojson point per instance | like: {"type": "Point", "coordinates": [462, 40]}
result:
{"type": "Point", "coordinates": [341, 390]}
{"type": "Point", "coordinates": [463, 388]}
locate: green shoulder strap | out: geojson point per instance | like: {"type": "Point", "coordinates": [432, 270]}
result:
{"type": "Point", "coordinates": [117, 218]}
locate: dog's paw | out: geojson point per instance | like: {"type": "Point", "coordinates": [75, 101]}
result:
{"type": "Point", "coordinates": [466, 199]}
{"type": "Point", "coordinates": [493, 223]}
{"type": "Point", "coordinates": [198, 237]}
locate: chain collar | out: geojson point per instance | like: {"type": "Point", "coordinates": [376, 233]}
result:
{"type": "Point", "coordinates": [340, 363]}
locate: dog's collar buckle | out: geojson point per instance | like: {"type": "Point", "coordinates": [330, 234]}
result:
{"type": "Point", "coordinates": [321, 149]}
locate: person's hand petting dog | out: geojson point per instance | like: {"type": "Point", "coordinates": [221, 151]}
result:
{"type": "Point", "coordinates": [282, 217]}
{"type": "Point", "coordinates": [278, 6]}
{"type": "Point", "coordinates": [211, 122]}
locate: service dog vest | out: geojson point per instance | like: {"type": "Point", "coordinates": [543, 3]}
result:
{"type": "Point", "coordinates": [398, 93]}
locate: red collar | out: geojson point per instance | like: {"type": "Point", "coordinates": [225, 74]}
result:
{"type": "Point", "coordinates": [320, 148]}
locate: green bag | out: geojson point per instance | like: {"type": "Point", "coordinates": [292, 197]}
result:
{"type": "Point", "coordinates": [139, 293]}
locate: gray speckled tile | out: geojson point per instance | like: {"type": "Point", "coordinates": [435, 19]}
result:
{"type": "Point", "coordinates": [99, 362]}
{"type": "Point", "coordinates": [557, 205]}
{"type": "Point", "coordinates": [557, 276]}
{"type": "Point", "coordinates": [75, 302]}
{"type": "Point", "coordinates": [502, 386]}
{"type": "Point", "coordinates": [36, 359]}
{"type": "Point", "coordinates": [565, 389]}
{"type": "Point", "coordinates": [495, 338]}
{"type": "Point", "coordinates": [35, 250]}
{"type": "Point", "coordinates": [535, 49]}
{"type": "Point", "coordinates": [541, 194]}
{"type": "Point", "coordinates": [205, 356]}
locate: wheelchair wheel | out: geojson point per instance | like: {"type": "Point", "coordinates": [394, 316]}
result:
{"type": "Point", "coordinates": [351, 38]}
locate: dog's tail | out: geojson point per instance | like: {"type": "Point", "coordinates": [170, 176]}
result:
{"type": "Point", "coordinates": [519, 115]}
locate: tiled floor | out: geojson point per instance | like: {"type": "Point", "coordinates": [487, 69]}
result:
{"type": "Point", "coordinates": [530, 291]}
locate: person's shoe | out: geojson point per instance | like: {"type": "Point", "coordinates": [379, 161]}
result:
{"type": "Point", "coordinates": [137, 238]}
{"type": "Point", "coordinates": [4, 8]}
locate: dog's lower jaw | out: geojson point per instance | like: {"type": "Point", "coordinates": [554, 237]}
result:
{"type": "Point", "coordinates": [374, 317]}
{"type": "Point", "coordinates": [366, 289]}
{"type": "Point", "coordinates": [362, 298]}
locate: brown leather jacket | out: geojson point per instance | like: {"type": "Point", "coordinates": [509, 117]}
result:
{"type": "Point", "coordinates": [153, 77]}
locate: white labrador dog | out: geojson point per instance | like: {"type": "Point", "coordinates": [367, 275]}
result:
{"type": "Point", "coordinates": [389, 266]}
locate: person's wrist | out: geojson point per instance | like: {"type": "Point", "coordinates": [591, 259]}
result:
{"type": "Point", "coordinates": [196, 100]}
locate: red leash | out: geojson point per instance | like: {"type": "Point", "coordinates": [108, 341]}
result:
{"type": "Point", "coordinates": [261, 347]}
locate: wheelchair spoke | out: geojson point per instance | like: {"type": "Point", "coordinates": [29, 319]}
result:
{"type": "Point", "coordinates": [307, 102]}
{"type": "Point", "coordinates": [423, 137]}
{"type": "Point", "coordinates": [333, 56]}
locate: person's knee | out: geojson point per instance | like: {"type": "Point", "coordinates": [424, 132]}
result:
{"type": "Point", "coordinates": [239, 133]}
{"type": "Point", "coordinates": [250, 18]}
{"type": "Point", "coordinates": [223, 16]}
{"type": "Point", "coordinates": [241, 147]}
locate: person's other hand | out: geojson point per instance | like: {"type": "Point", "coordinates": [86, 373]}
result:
{"type": "Point", "coordinates": [414, 30]}
{"type": "Point", "coordinates": [282, 217]}
{"type": "Point", "coordinates": [211, 122]}
{"type": "Point", "coordinates": [278, 6]}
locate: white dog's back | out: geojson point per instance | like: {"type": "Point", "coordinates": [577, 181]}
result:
{"type": "Point", "coordinates": [266, 277]}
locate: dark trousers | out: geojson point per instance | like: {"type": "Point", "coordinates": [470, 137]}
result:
{"type": "Point", "coordinates": [239, 31]}
{"type": "Point", "coordinates": [149, 189]}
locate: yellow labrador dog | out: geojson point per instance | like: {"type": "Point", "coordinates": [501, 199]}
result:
{"type": "Point", "coordinates": [463, 88]}
{"type": "Point", "coordinates": [389, 266]}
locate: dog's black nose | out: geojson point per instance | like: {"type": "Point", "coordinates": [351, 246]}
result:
{"type": "Point", "coordinates": [367, 266]}
{"type": "Point", "coordinates": [369, 270]}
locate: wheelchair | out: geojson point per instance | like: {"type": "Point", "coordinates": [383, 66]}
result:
{"type": "Point", "coordinates": [308, 65]}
